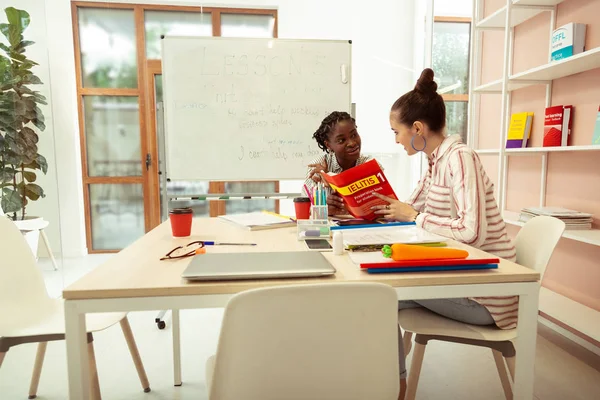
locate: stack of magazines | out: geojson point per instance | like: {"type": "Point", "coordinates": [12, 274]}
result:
{"type": "Point", "coordinates": [572, 219]}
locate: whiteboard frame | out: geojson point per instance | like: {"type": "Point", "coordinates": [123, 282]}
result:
{"type": "Point", "coordinates": [220, 38]}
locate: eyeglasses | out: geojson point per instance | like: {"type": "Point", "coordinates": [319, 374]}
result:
{"type": "Point", "coordinates": [197, 247]}
{"type": "Point", "coordinates": [190, 249]}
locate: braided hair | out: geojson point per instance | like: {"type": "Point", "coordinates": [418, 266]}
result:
{"type": "Point", "coordinates": [327, 125]}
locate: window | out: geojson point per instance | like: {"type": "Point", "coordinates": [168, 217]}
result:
{"type": "Point", "coordinates": [450, 61]}
{"type": "Point", "coordinates": [118, 87]}
{"type": "Point", "coordinates": [157, 23]}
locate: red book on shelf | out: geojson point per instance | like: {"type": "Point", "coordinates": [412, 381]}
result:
{"type": "Point", "coordinates": [557, 125]}
{"type": "Point", "coordinates": [430, 263]}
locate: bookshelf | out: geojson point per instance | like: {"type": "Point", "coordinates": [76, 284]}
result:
{"type": "Point", "coordinates": [542, 150]}
{"type": "Point", "coordinates": [522, 11]}
{"type": "Point", "coordinates": [554, 306]}
{"type": "Point", "coordinates": [506, 19]}
{"type": "Point", "coordinates": [542, 74]}
{"type": "Point", "coordinates": [591, 236]}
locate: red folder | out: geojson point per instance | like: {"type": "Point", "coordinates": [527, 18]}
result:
{"type": "Point", "coordinates": [430, 263]}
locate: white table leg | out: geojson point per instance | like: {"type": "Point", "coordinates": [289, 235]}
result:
{"type": "Point", "coordinates": [526, 345]}
{"type": "Point", "coordinates": [47, 243]}
{"type": "Point", "coordinates": [176, 347]}
{"type": "Point", "coordinates": [77, 355]}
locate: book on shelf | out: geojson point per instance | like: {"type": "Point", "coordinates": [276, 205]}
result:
{"type": "Point", "coordinates": [357, 185]}
{"type": "Point", "coordinates": [567, 41]}
{"type": "Point", "coordinates": [519, 130]}
{"type": "Point", "coordinates": [596, 137]}
{"type": "Point", "coordinates": [557, 125]}
{"type": "Point", "coordinates": [572, 219]}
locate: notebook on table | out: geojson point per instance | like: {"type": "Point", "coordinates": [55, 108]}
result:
{"type": "Point", "coordinates": [257, 265]}
{"type": "Point", "coordinates": [433, 268]}
{"type": "Point", "coordinates": [255, 221]}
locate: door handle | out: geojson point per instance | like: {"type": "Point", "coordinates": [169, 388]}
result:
{"type": "Point", "coordinates": [148, 161]}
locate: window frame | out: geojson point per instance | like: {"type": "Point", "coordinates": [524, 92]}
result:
{"type": "Point", "coordinates": [147, 114]}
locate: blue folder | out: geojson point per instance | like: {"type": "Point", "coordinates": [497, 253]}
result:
{"type": "Point", "coordinates": [373, 225]}
{"type": "Point", "coordinates": [432, 268]}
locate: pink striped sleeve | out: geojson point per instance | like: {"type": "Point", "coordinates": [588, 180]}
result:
{"type": "Point", "coordinates": [466, 184]}
{"type": "Point", "coordinates": [419, 195]}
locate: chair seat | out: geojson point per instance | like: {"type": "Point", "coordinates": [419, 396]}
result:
{"type": "Point", "coordinates": [50, 320]}
{"type": "Point", "coordinates": [424, 322]}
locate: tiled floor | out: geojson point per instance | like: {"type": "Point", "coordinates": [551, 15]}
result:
{"type": "Point", "coordinates": [563, 370]}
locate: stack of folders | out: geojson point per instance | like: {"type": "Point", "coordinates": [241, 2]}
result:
{"type": "Point", "coordinates": [572, 219]}
{"type": "Point", "coordinates": [376, 263]}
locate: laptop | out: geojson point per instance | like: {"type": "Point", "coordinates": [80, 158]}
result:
{"type": "Point", "coordinates": [233, 266]}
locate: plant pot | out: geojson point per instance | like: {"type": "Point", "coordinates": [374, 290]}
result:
{"type": "Point", "coordinates": [30, 228]}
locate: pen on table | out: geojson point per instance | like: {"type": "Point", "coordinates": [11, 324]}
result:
{"type": "Point", "coordinates": [212, 243]}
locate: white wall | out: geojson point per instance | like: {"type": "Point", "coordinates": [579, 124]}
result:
{"type": "Point", "coordinates": [47, 207]}
{"type": "Point", "coordinates": [383, 56]}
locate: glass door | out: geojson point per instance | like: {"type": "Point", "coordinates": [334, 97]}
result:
{"type": "Point", "coordinates": [111, 123]}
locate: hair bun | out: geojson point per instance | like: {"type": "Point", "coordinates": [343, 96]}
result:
{"type": "Point", "coordinates": [425, 83]}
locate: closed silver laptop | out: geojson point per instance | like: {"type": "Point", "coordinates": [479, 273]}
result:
{"type": "Point", "coordinates": [231, 266]}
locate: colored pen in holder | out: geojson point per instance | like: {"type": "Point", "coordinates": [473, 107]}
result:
{"type": "Point", "coordinates": [318, 212]}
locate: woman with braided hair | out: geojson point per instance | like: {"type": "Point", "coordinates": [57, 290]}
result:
{"type": "Point", "coordinates": [338, 138]}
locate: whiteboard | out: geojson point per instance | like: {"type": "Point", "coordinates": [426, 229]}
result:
{"type": "Point", "coordinates": [246, 109]}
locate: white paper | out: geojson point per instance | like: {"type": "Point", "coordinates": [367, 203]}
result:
{"type": "Point", "coordinates": [255, 219]}
{"type": "Point", "coordinates": [389, 235]}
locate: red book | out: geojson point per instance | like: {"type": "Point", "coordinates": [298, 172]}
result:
{"type": "Point", "coordinates": [357, 185]}
{"type": "Point", "coordinates": [430, 263]}
{"type": "Point", "coordinates": [557, 125]}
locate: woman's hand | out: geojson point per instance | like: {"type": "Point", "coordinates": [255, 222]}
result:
{"type": "Point", "coordinates": [335, 205]}
{"type": "Point", "coordinates": [395, 209]}
{"type": "Point", "coordinates": [316, 170]}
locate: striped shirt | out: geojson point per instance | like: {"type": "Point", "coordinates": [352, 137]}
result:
{"type": "Point", "coordinates": [332, 166]}
{"type": "Point", "coordinates": [456, 200]}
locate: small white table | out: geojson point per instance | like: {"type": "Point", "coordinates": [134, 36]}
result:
{"type": "Point", "coordinates": [135, 280]}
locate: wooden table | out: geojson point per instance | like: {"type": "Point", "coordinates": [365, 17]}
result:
{"type": "Point", "coordinates": [135, 280]}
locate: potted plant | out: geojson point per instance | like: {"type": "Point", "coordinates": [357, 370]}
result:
{"type": "Point", "coordinates": [20, 120]}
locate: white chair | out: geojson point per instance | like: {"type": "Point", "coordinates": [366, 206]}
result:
{"type": "Point", "coordinates": [29, 315]}
{"type": "Point", "coordinates": [535, 244]}
{"type": "Point", "coordinates": [321, 341]}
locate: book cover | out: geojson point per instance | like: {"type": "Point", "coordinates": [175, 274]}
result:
{"type": "Point", "coordinates": [596, 137]}
{"type": "Point", "coordinates": [519, 130]}
{"type": "Point", "coordinates": [357, 185]}
{"type": "Point", "coordinates": [567, 41]}
{"type": "Point", "coordinates": [557, 125]}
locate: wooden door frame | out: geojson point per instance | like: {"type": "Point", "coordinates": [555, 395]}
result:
{"type": "Point", "coordinates": [146, 69]}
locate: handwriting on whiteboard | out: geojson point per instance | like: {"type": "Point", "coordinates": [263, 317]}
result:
{"type": "Point", "coordinates": [261, 64]}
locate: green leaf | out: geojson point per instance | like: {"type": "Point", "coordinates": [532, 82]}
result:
{"type": "Point", "coordinates": [11, 201]}
{"type": "Point", "coordinates": [39, 114]}
{"type": "Point", "coordinates": [5, 48]}
{"type": "Point", "coordinates": [18, 18]}
{"type": "Point", "coordinates": [31, 79]}
{"type": "Point", "coordinates": [23, 44]}
{"type": "Point", "coordinates": [29, 135]}
{"type": "Point", "coordinates": [39, 124]}
{"type": "Point", "coordinates": [7, 174]}
{"type": "Point", "coordinates": [34, 191]}
{"type": "Point", "coordinates": [30, 176]}
{"type": "Point", "coordinates": [12, 158]}
{"type": "Point", "coordinates": [41, 161]}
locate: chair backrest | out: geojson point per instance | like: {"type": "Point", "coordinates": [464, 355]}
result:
{"type": "Point", "coordinates": [536, 241]}
{"type": "Point", "coordinates": [321, 341]}
{"type": "Point", "coordinates": [21, 283]}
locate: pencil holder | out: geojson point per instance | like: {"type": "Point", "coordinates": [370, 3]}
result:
{"type": "Point", "coordinates": [318, 212]}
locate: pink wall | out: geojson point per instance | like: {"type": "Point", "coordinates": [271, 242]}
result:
{"type": "Point", "coordinates": [573, 178]}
